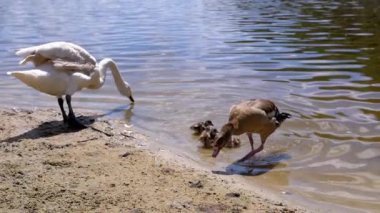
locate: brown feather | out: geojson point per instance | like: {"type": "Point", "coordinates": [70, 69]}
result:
{"type": "Point", "coordinates": [67, 66]}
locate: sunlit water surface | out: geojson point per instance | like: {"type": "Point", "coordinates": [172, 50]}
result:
{"type": "Point", "coordinates": [189, 61]}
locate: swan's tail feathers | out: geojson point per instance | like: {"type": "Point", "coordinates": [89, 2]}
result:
{"type": "Point", "coordinates": [17, 74]}
{"type": "Point", "coordinates": [32, 79]}
{"type": "Point", "coordinates": [20, 75]}
{"type": "Point", "coordinates": [26, 51]}
{"type": "Point", "coordinates": [29, 77]}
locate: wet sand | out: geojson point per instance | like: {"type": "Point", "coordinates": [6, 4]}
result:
{"type": "Point", "coordinates": [45, 166]}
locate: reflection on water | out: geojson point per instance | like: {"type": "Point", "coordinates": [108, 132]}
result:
{"type": "Point", "coordinates": [190, 60]}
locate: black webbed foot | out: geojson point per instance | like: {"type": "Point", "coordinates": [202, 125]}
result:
{"type": "Point", "coordinates": [75, 124]}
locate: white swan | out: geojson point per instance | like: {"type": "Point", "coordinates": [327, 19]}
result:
{"type": "Point", "coordinates": [63, 68]}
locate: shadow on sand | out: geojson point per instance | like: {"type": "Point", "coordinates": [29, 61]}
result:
{"type": "Point", "coordinates": [56, 127]}
{"type": "Point", "coordinates": [49, 129]}
{"type": "Point", "coordinates": [255, 166]}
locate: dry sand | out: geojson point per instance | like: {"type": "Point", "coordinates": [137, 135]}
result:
{"type": "Point", "coordinates": [46, 167]}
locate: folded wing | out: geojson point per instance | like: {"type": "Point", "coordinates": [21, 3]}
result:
{"type": "Point", "coordinates": [64, 56]}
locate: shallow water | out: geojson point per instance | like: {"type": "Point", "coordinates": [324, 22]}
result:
{"type": "Point", "coordinates": [189, 61]}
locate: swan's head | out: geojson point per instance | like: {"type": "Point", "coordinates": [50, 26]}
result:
{"type": "Point", "coordinates": [127, 91]}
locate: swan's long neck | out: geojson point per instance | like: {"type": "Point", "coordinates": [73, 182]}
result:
{"type": "Point", "coordinates": [99, 77]}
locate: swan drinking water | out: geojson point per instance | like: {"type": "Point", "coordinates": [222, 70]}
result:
{"type": "Point", "coordinates": [63, 68]}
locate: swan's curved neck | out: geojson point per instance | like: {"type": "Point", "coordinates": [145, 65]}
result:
{"type": "Point", "coordinates": [100, 76]}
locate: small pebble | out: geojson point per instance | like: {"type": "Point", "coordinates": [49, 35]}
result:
{"type": "Point", "coordinates": [125, 154]}
{"type": "Point", "coordinates": [233, 194]}
{"type": "Point", "coordinates": [196, 184]}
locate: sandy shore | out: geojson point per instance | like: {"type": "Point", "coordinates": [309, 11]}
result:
{"type": "Point", "coordinates": [46, 167]}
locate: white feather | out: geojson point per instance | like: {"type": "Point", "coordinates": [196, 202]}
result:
{"type": "Point", "coordinates": [59, 50]}
{"type": "Point", "coordinates": [68, 77]}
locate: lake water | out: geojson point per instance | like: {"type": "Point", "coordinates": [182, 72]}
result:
{"type": "Point", "coordinates": [189, 61]}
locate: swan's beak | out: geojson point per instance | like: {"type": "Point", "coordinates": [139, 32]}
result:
{"type": "Point", "coordinates": [131, 98]}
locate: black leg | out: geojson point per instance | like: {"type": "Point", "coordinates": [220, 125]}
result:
{"type": "Point", "coordinates": [250, 140]}
{"type": "Point", "coordinates": [60, 102]}
{"type": "Point", "coordinates": [72, 121]}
